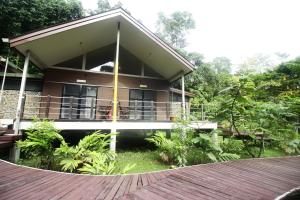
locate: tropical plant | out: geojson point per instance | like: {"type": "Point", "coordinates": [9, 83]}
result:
{"type": "Point", "coordinates": [211, 151]}
{"type": "Point", "coordinates": [42, 139]}
{"type": "Point", "coordinates": [172, 151]}
{"type": "Point", "coordinates": [232, 145]}
{"type": "Point", "coordinates": [91, 155]}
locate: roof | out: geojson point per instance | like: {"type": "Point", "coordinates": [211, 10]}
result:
{"type": "Point", "coordinates": [59, 43]}
{"type": "Point", "coordinates": [177, 91]}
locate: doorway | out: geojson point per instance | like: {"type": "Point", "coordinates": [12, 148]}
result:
{"type": "Point", "coordinates": [78, 102]}
{"type": "Point", "coordinates": [142, 104]}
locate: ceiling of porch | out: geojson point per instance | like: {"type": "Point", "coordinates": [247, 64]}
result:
{"type": "Point", "coordinates": [67, 41]}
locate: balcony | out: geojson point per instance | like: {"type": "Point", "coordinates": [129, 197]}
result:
{"type": "Point", "coordinates": [93, 113]}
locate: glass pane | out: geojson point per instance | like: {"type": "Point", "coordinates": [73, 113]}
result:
{"type": "Point", "coordinates": [149, 115]}
{"type": "Point", "coordinates": [135, 114]}
{"type": "Point", "coordinates": [87, 102]}
{"type": "Point", "coordinates": [86, 113]}
{"type": "Point", "coordinates": [136, 95]}
{"type": "Point", "coordinates": [89, 91]}
{"type": "Point", "coordinates": [71, 90]}
{"type": "Point", "coordinates": [66, 102]}
{"type": "Point", "coordinates": [65, 113]}
{"type": "Point", "coordinates": [149, 95]}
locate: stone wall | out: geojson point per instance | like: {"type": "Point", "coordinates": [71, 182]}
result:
{"type": "Point", "coordinates": [9, 104]}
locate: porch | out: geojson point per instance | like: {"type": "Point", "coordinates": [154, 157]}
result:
{"type": "Point", "coordinates": [91, 113]}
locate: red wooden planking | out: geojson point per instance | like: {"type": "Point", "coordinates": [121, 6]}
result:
{"type": "Point", "coordinates": [115, 188]}
{"type": "Point", "coordinates": [103, 193]}
{"type": "Point", "coordinates": [246, 179]}
{"type": "Point", "coordinates": [232, 181]}
{"type": "Point", "coordinates": [134, 183]}
{"type": "Point", "coordinates": [123, 186]}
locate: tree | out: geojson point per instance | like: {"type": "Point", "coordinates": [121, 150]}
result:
{"type": "Point", "coordinates": [104, 6]}
{"type": "Point", "coordinates": [258, 63]}
{"type": "Point", "coordinates": [173, 29]}
{"type": "Point", "coordinates": [221, 65]}
{"type": "Point", "coordinates": [18, 17]}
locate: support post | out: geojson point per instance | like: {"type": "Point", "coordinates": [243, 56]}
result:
{"type": "Point", "coordinates": [21, 93]}
{"type": "Point", "coordinates": [83, 61]}
{"type": "Point", "coordinates": [48, 106]}
{"type": "Point", "coordinates": [183, 97]}
{"type": "Point", "coordinates": [116, 74]}
{"type": "Point", "coordinates": [3, 80]}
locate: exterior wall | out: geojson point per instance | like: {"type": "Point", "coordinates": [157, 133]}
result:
{"type": "Point", "coordinates": [10, 101]}
{"type": "Point", "coordinates": [56, 78]}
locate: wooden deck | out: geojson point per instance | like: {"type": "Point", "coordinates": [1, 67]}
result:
{"type": "Point", "coordinates": [242, 179]}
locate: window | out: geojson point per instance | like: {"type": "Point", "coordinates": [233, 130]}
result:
{"type": "Point", "coordinates": [142, 106]}
{"type": "Point", "coordinates": [78, 102]}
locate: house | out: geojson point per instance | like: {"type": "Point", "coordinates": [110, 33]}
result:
{"type": "Point", "coordinates": [106, 71]}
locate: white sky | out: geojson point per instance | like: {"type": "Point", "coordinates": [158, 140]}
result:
{"type": "Point", "coordinates": [236, 29]}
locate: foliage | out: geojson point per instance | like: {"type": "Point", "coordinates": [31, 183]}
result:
{"type": "Point", "coordinates": [232, 145]}
{"type": "Point", "coordinates": [174, 28]}
{"type": "Point", "coordinates": [104, 6]}
{"type": "Point", "coordinates": [171, 151]}
{"type": "Point", "coordinates": [91, 155]}
{"type": "Point", "coordinates": [210, 150]}
{"type": "Point", "coordinates": [42, 139]}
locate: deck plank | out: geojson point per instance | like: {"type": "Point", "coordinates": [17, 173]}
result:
{"type": "Point", "coordinates": [241, 179]}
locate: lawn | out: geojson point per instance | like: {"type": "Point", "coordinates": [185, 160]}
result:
{"type": "Point", "coordinates": [145, 161]}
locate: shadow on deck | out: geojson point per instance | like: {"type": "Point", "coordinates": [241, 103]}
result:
{"type": "Point", "coordinates": [242, 179]}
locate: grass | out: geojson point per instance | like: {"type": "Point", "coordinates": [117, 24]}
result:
{"type": "Point", "coordinates": [273, 153]}
{"type": "Point", "coordinates": [145, 161]}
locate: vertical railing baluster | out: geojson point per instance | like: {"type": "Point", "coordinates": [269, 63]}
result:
{"type": "Point", "coordinates": [71, 107]}
{"type": "Point", "coordinates": [47, 106]}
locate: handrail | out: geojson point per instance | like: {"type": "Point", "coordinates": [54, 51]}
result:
{"type": "Point", "coordinates": [53, 107]}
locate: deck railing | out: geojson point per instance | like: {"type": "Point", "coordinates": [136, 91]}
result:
{"type": "Point", "coordinates": [90, 108]}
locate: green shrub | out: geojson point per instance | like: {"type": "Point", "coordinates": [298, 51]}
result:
{"type": "Point", "coordinates": [231, 145]}
{"type": "Point", "coordinates": [42, 139]}
{"type": "Point", "coordinates": [210, 151]}
{"type": "Point", "coordinates": [171, 151]}
{"type": "Point", "coordinates": [91, 155]}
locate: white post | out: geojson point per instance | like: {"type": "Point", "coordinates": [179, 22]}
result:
{"type": "Point", "coordinates": [183, 96]}
{"type": "Point", "coordinates": [3, 80]}
{"type": "Point", "coordinates": [115, 102]}
{"type": "Point", "coordinates": [21, 93]}
{"type": "Point", "coordinates": [83, 61]}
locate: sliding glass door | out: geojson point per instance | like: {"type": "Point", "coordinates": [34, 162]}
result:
{"type": "Point", "coordinates": [142, 104]}
{"type": "Point", "coordinates": [78, 102]}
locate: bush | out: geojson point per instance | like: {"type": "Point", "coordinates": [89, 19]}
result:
{"type": "Point", "coordinates": [171, 151]}
{"type": "Point", "coordinates": [42, 139]}
{"type": "Point", "coordinates": [91, 155]}
{"type": "Point", "coordinates": [231, 145]}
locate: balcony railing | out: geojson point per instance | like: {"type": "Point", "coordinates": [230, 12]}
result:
{"type": "Point", "coordinates": [90, 108]}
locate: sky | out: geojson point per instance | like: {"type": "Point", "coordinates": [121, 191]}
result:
{"type": "Point", "coordinates": [236, 29]}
